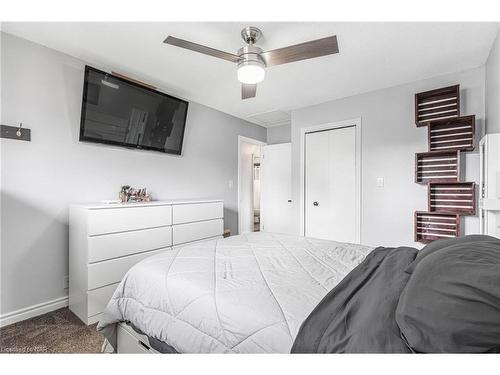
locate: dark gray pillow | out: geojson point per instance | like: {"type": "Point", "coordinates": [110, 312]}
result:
{"type": "Point", "coordinates": [451, 303]}
{"type": "Point", "coordinates": [441, 244]}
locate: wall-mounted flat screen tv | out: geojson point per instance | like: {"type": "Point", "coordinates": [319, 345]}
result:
{"type": "Point", "coordinates": [120, 112]}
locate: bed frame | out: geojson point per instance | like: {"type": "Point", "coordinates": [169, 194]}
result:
{"type": "Point", "coordinates": [130, 342]}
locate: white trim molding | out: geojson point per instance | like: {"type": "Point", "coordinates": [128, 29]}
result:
{"type": "Point", "coordinates": [356, 122]}
{"type": "Point", "coordinates": [32, 311]}
{"type": "Point", "coordinates": [244, 139]}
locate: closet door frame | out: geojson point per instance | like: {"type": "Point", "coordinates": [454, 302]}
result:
{"type": "Point", "coordinates": [356, 122]}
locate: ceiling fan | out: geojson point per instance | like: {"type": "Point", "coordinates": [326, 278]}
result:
{"type": "Point", "coordinates": [252, 60]}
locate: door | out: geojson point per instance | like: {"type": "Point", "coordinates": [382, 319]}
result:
{"type": "Point", "coordinates": [276, 210]}
{"type": "Point", "coordinates": [331, 207]}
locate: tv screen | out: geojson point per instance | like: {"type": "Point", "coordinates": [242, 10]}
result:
{"type": "Point", "coordinates": [119, 112]}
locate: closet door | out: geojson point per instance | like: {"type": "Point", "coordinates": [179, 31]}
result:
{"type": "Point", "coordinates": [276, 210]}
{"type": "Point", "coordinates": [330, 185]}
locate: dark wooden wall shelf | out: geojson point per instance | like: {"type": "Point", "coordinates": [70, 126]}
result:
{"type": "Point", "coordinates": [457, 198]}
{"type": "Point", "coordinates": [431, 226]}
{"type": "Point", "coordinates": [443, 103]}
{"type": "Point", "coordinates": [452, 134]}
{"type": "Point", "coordinates": [448, 134]}
{"type": "Point", "coordinates": [437, 166]}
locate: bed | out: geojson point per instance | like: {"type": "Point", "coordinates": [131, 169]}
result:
{"type": "Point", "coordinates": [272, 293]}
{"type": "Point", "coordinates": [242, 294]}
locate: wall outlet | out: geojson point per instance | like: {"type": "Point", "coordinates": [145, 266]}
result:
{"type": "Point", "coordinates": [230, 184]}
{"type": "Point", "coordinates": [380, 182]}
{"type": "Point", "coordinates": [66, 282]}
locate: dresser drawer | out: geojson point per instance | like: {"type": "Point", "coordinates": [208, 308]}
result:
{"type": "Point", "coordinates": [112, 220]}
{"type": "Point", "coordinates": [120, 244]}
{"type": "Point", "coordinates": [97, 299]}
{"type": "Point", "coordinates": [112, 271]}
{"type": "Point", "coordinates": [197, 231]}
{"type": "Point", "coordinates": [188, 213]}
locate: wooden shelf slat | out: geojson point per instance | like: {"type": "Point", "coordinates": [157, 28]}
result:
{"type": "Point", "coordinates": [438, 104]}
{"type": "Point", "coordinates": [457, 198]}
{"type": "Point", "coordinates": [437, 166]}
{"type": "Point", "coordinates": [431, 226]}
{"type": "Point", "coordinates": [452, 134]}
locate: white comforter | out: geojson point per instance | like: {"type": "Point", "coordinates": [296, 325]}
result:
{"type": "Point", "coordinates": [243, 294]}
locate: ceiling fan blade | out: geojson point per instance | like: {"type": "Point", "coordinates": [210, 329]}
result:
{"type": "Point", "coordinates": [248, 91]}
{"type": "Point", "coordinates": [302, 51]}
{"type": "Point", "coordinates": [201, 49]}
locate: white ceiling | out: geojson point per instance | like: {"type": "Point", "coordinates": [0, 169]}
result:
{"type": "Point", "coordinates": [372, 56]}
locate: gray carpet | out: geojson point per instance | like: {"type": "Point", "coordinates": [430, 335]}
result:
{"type": "Point", "coordinates": [58, 331]}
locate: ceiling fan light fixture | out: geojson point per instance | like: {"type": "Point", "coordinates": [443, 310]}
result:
{"type": "Point", "coordinates": [251, 72]}
{"type": "Point", "coordinates": [252, 60]}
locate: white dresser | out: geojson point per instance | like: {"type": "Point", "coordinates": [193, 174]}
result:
{"type": "Point", "coordinates": [106, 240]}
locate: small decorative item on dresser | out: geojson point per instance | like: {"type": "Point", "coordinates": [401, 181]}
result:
{"type": "Point", "coordinates": [227, 233]}
{"type": "Point", "coordinates": [129, 194]}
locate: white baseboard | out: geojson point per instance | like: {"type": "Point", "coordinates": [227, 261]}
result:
{"type": "Point", "coordinates": [32, 311]}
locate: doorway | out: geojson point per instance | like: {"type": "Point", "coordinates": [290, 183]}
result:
{"type": "Point", "coordinates": [249, 176]}
{"type": "Point", "coordinates": [331, 174]}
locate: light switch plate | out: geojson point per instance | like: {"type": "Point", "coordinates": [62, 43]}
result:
{"type": "Point", "coordinates": [380, 182]}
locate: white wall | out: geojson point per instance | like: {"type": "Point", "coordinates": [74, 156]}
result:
{"type": "Point", "coordinates": [43, 89]}
{"type": "Point", "coordinates": [493, 88]}
{"type": "Point", "coordinates": [390, 140]}
{"type": "Point", "coordinates": [279, 134]}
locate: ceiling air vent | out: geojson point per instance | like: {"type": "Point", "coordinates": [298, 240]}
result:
{"type": "Point", "coordinates": [271, 118]}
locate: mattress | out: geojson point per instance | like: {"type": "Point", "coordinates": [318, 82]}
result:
{"type": "Point", "coordinates": [242, 294]}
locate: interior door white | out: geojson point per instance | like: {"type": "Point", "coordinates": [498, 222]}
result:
{"type": "Point", "coordinates": [330, 184]}
{"type": "Point", "coordinates": [276, 208]}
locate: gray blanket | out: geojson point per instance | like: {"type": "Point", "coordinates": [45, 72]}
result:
{"type": "Point", "coordinates": [358, 315]}
{"type": "Point", "coordinates": [446, 301]}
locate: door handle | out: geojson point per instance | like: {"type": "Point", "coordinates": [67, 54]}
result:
{"type": "Point", "coordinates": [289, 201]}
{"type": "Point", "coordinates": [315, 203]}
